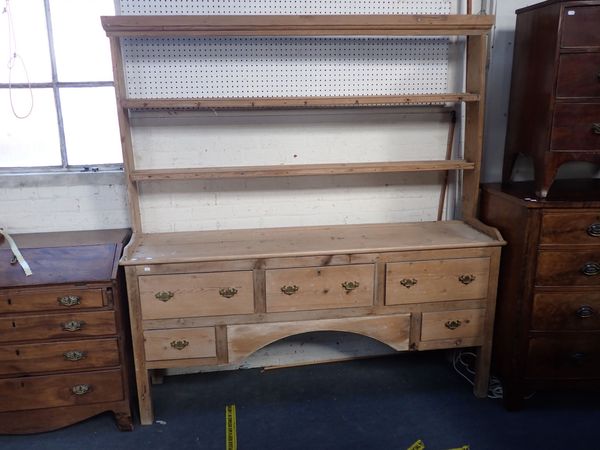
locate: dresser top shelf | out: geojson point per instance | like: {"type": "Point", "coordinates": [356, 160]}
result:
{"type": "Point", "coordinates": [292, 25]}
{"type": "Point", "coordinates": [202, 246]}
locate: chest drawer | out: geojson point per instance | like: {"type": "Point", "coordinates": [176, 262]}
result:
{"type": "Point", "coordinates": [319, 288]}
{"type": "Point", "coordinates": [436, 281]}
{"type": "Point", "coordinates": [576, 311]}
{"type": "Point", "coordinates": [564, 356]}
{"type": "Point", "coordinates": [196, 294]}
{"type": "Point", "coordinates": [578, 75]}
{"type": "Point", "coordinates": [64, 299]}
{"type": "Point", "coordinates": [57, 326]}
{"type": "Point", "coordinates": [452, 324]}
{"type": "Point", "coordinates": [576, 127]}
{"type": "Point", "coordinates": [580, 26]}
{"type": "Point", "coordinates": [568, 268]}
{"type": "Point", "coordinates": [182, 343]}
{"type": "Point", "coordinates": [18, 394]}
{"type": "Point", "coordinates": [57, 356]}
{"type": "Point", "coordinates": [571, 227]}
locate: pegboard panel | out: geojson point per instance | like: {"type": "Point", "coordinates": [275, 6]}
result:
{"type": "Point", "coordinates": [287, 7]}
{"type": "Point", "coordinates": [284, 67]}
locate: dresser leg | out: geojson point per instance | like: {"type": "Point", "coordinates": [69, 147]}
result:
{"type": "Point", "coordinates": [144, 398]}
{"type": "Point", "coordinates": [544, 176]}
{"type": "Point", "coordinates": [124, 421]}
{"type": "Point", "coordinates": [482, 371]}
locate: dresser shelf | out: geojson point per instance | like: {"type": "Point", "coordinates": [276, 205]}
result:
{"type": "Point", "coordinates": [208, 298]}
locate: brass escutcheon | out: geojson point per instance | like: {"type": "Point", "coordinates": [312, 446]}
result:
{"type": "Point", "coordinates": [594, 230]}
{"type": "Point", "coordinates": [164, 296]}
{"type": "Point", "coordinates": [289, 290]}
{"type": "Point", "coordinates": [180, 344]}
{"type": "Point", "coordinates": [81, 389]}
{"type": "Point", "coordinates": [74, 355]}
{"type": "Point", "coordinates": [69, 300]}
{"type": "Point", "coordinates": [350, 285]}
{"type": "Point", "coordinates": [73, 325]}
{"type": "Point", "coordinates": [228, 292]}
{"type": "Point", "coordinates": [467, 279]}
{"type": "Point", "coordinates": [591, 269]}
{"type": "Point", "coordinates": [453, 324]}
{"type": "Point", "coordinates": [408, 282]}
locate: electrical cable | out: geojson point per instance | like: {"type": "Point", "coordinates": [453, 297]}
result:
{"type": "Point", "coordinates": [13, 59]}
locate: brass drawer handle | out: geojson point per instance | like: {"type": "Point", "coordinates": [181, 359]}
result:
{"type": "Point", "coordinates": [74, 355]}
{"type": "Point", "coordinates": [596, 128]}
{"type": "Point", "coordinates": [164, 296]}
{"type": "Point", "coordinates": [594, 230]}
{"type": "Point", "coordinates": [290, 290]}
{"type": "Point", "coordinates": [69, 300]}
{"type": "Point", "coordinates": [467, 279]}
{"type": "Point", "coordinates": [584, 312]}
{"type": "Point", "coordinates": [73, 325]}
{"type": "Point", "coordinates": [408, 282]}
{"type": "Point", "coordinates": [228, 292]}
{"type": "Point", "coordinates": [81, 389]}
{"type": "Point", "coordinates": [350, 285]}
{"type": "Point", "coordinates": [453, 324]}
{"type": "Point", "coordinates": [180, 344]}
{"type": "Point", "coordinates": [591, 269]}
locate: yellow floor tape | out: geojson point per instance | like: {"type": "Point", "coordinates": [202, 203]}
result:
{"type": "Point", "coordinates": [419, 445]}
{"type": "Point", "coordinates": [230, 428]}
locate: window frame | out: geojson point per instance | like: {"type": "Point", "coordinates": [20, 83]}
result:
{"type": "Point", "coordinates": [56, 85]}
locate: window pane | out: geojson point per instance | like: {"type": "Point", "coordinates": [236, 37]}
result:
{"type": "Point", "coordinates": [91, 127]}
{"type": "Point", "coordinates": [81, 46]}
{"type": "Point", "coordinates": [31, 43]}
{"type": "Point", "coordinates": [32, 141]}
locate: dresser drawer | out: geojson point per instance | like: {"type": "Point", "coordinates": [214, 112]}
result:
{"type": "Point", "coordinates": [58, 356]}
{"type": "Point", "coordinates": [196, 294]}
{"type": "Point", "coordinates": [575, 127]}
{"type": "Point", "coordinates": [576, 311]}
{"type": "Point", "coordinates": [452, 324]}
{"type": "Point", "coordinates": [63, 299]}
{"type": "Point", "coordinates": [181, 343]}
{"type": "Point", "coordinates": [564, 356]}
{"type": "Point", "coordinates": [320, 288]}
{"type": "Point", "coordinates": [568, 268]}
{"type": "Point", "coordinates": [578, 75]}
{"type": "Point", "coordinates": [58, 326]}
{"type": "Point", "coordinates": [18, 394]}
{"type": "Point", "coordinates": [437, 280]}
{"type": "Point", "coordinates": [580, 26]}
{"type": "Point", "coordinates": [571, 227]}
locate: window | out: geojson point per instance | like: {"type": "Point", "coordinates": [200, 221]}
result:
{"type": "Point", "coordinates": [57, 100]}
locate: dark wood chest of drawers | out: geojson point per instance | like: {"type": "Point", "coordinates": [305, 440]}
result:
{"type": "Point", "coordinates": [63, 340]}
{"type": "Point", "coordinates": [554, 113]}
{"type": "Point", "coordinates": [547, 332]}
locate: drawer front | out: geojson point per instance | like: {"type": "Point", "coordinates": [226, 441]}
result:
{"type": "Point", "coordinates": [182, 343]}
{"type": "Point", "coordinates": [452, 324]}
{"type": "Point", "coordinates": [576, 127]}
{"type": "Point", "coordinates": [196, 294]}
{"type": "Point", "coordinates": [58, 326]}
{"type": "Point", "coordinates": [571, 228]}
{"type": "Point", "coordinates": [568, 268]}
{"type": "Point", "coordinates": [577, 311]}
{"type": "Point", "coordinates": [580, 26]}
{"type": "Point", "coordinates": [60, 300]}
{"type": "Point", "coordinates": [18, 394]}
{"type": "Point", "coordinates": [320, 288]}
{"type": "Point", "coordinates": [564, 356]}
{"type": "Point", "coordinates": [438, 280]}
{"type": "Point", "coordinates": [58, 356]}
{"type": "Point", "coordinates": [243, 340]}
{"type": "Point", "coordinates": [578, 75]}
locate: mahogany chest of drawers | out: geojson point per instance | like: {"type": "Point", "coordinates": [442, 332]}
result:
{"type": "Point", "coordinates": [554, 113]}
{"type": "Point", "coordinates": [547, 332]}
{"type": "Point", "coordinates": [63, 340]}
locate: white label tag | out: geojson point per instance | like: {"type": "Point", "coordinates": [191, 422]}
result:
{"type": "Point", "coordinates": [570, 13]}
